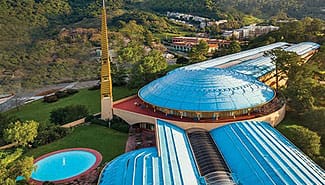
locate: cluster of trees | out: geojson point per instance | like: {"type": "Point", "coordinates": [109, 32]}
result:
{"type": "Point", "coordinates": [307, 140]}
{"type": "Point", "coordinates": [150, 21]}
{"type": "Point", "coordinates": [23, 134]}
{"type": "Point", "coordinates": [13, 163]}
{"type": "Point", "coordinates": [235, 9]}
{"type": "Point", "coordinates": [305, 95]}
{"type": "Point", "coordinates": [140, 60]}
{"type": "Point", "coordinates": [302, 87]}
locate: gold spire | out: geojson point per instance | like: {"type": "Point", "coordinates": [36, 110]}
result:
{"type": "Point", "coordinates": [106, 80]}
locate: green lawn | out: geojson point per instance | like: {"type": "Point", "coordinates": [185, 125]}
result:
{"type": "Point", "coordinates": [40, 111]}
{"type": "Point", "coordinates": [108, 142]}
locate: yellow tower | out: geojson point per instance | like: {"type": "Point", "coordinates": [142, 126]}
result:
{"type": "Point", "coordinates": [105, 76]}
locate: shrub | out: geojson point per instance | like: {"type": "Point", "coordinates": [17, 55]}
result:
{"type": "Point", "coordinates": [307, 140]}
{"type": "Point", "coordinates": [116, 124]}
{"type": "Point", "coordinates": [89, 118]}
{"type": "Point", "coordinates": [5, 120]}
{"type": "Point", "coordinates": [61, 94]}
{"type": "Point", "coordinates": [314, 120]}
{"type": "Point", "coordinates": [95, 87]}
{"type": "Point", "coordinates": [49, 134]}
{"type": "Point", "coordinates": [119, 125]}
{"type": "Point", "coordinates": [50, 98]}
{"type": "Point", "coordinates": [72, 91]}
{"type": "Point", "coordinates": [98, 121]}
{"type": "Point", "coordinates": [21, 132]}
{"type": "Point", "coordinates": [68, 114]}
{"type": "Point", "coordinates": [320, 160]}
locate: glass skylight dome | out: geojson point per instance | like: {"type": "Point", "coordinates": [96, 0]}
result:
{"type": "Point", "coordinates": [206, 90]}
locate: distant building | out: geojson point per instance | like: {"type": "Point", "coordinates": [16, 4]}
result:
{"type": "Point", "coordinates": [186, 43]}
{"type": "Point", "coordinates": [247, 32]}
{"type": "Point", "coordinates": [211, 23]}
{"type": "Point", "coordinates": [202, 22]}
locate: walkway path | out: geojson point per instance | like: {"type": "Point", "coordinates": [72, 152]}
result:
{"type": "Point", "coordinates": [27, 97]}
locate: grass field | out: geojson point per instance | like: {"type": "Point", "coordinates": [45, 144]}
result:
{"type": "Point", "coordinates": [108, 142]}
{"type": "Point", "coordinates": [40, 111]}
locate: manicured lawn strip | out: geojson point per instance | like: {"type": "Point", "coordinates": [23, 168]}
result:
{"type": "Point", "coordinates": [108, 142]}
{"type": "Point", "coordinates": [40, 111]}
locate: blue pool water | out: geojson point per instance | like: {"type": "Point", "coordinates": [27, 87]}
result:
{"type": "Point", "coordinates": [63, 165]}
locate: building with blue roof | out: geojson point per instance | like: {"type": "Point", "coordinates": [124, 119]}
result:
{"type": "Point", "coordinates": [172, 163]}
{"type": "Point", "coordinates": [194, 111]}
{"type": "Point", "coordinates": [243, 153]}
{"type": "Point", "coordinates": [210, 92]}
{"type": "Point", "coordinates": [262, 68]}
{"type": "Point", "coordinates": [206, 91]}
{"type": "Point", "coordinates": [257, 153]}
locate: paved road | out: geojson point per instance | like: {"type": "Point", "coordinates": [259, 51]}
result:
{"type": "Point", "coordinates": [27, 97]}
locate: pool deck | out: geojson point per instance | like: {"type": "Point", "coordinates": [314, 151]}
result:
{"type": "Point", "coordinates": [92, 168]}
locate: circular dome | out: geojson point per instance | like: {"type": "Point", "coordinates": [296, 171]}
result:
{"type": "Point", "coordinates": [206, 90]}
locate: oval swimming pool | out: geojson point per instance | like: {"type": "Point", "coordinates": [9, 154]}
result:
{"type": "Point", "coordinates": [65, 165]}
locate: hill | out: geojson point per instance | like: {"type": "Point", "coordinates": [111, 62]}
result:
{"type": "Point", "coordinates": [235, 8]}
{"type": "Point", "coordinates": [40, 44]}
{"type": "Point", "coordinates": [45, 42]}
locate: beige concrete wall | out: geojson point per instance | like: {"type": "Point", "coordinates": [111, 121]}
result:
{"type": "Point", "coordinates": [133, 118]}
{"type": "Point", "coordinates": [74, 123]}
{"type": "Point", "coordinates": [274, 118]}
{"type": "Point", "coordinates": [106, 108]}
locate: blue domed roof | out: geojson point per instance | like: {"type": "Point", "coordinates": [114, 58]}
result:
{"type": "Point", "coordinates": [206, 90]}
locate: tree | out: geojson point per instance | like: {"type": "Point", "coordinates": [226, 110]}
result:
{"type": "Point", "coordinates": [199, 51]}
{"type": "Point", "coordinates": [119, 74]}
{"type": "Point", "coordinates": [149, 68]}
{"type": "Point", "coordinates": [283, 61]}
{"type": "Point", "coordinates": [12, 165]}
{"type": "Point", "coordinates": [68, 114]}
{"type": "Point", "coordinates": [300, 78]}
{"type": "Point", "coordinates": [149, 37]}
{"type": "Point", "coordinates": [300, 87]}
{"type": "Point", "coordinates": [234, 47]}
{"type": "Point", "coordinates": [131, 54]}
{"type": "Point", "coordinates": [5, 120]}
{"type": "Point", "coordinates": [134, 31]}
{"type": "Point", "coordinates": [307, 140]}
{"type": "Point", "coordinates": [21, 133]}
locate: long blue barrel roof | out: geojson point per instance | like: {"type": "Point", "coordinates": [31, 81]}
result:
{"type": "Point", "coordinates": [137, 167]}
{"type": "Point", "coordinates": [174, 166]}
{"type": "Point", "coordinates": [257, 153]}
{"type": "Point", "coordinates": [262, 65]}
{"type": "Point", "coordinates": [236, 56]}
{"type": "Point", "coordinates": [206, 90]}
